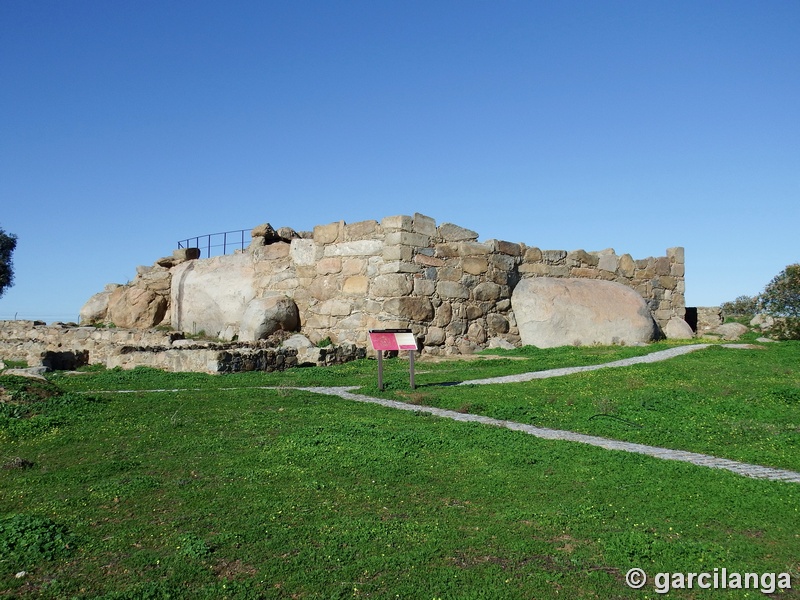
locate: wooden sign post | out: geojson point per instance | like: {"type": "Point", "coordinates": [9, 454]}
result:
{"type": "Point", "coordinates": [393, 339]}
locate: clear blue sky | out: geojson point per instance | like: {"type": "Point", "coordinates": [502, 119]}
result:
{"type": "Point", "coordinates": [637, 125]}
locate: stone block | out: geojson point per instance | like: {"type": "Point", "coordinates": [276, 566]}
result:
{"type": "Point", "coordinates": [444, 314]}
{"type": "Point", "coordinates": [502, 262]}
{"type": "Point", "coordinates": [398, 252]}
{"type": "Point", "coordinates": [324, 287]}
{"type": "Point", "coordinates": [487, 291]}
{"type": "Point", "coordinates": [304, 252]}
{"type": "Point", "coordinates": [476, 333]}
{"type": "Point", "coordinates": [186, 254]}
{"type": "Point", "coordinates": [475, 265]}
{"type": "Point", "coordinates": [353, 266]}
{"type": "Point", "coordinates": [357, 285]}
{"type": "Point", "coordinates": [676, 254]}
{"type": "Point", "coordinates": [554, 257]}
{"type": "Point", "coordinates": [608, 262]}
{"type": "Point", "coordinates": [329, 265]}
{"type": "Point", "coordinates": [509, 248]}
{"type": "Point", "coordinates": [399, 266]}
{"type": "Point", "coordinates": [532, 255]}
{"type": "Point", "coordinates": [452, 290]}
{"type": "Point", "coordinates": [413, 308]}
{"type": "Point", "coordinates": [435, 336]}
{"type": "Point", "coordinates": [424, 287]}
{"type": "Point", "coordinates": [356, 248]}
{"type": "Point", "coordinates": [448, 232]}
{"type": "Point", "coordinates": [450, 274]}
{"type": "Point", "coordinates": [626, 267]}
{"type": "Point", "coordinates": [678, 269]}
{"type": "Point", "coordinates": [328, 234]}
{"type": "Point", "coordinates": [405, 238]}
{"type": "Point", "coordinates": [391, 285]}
{"type": "Point", "coordinates": [662, 266]}
{"type": "Point", "coordinates": [667, 282]}
{"type": "Point", "coordinates": [583, 272]}
{"type": "Point", "coordinates": [424, 225]}
{"type": "Point", "coordinates": [496, 324]}
{"type": "Point", "coordinates": [361, 231]}
{"type": "Point", "coordinates": [428, 261]}
{"type": "Point", "coordinates": [274, 251]}
{"type": "Point", "coordinates": [398, 223]}
{"type": "Point", "coordinates": [470, 248]}
{"type": "Point", "coordinates": [447, 250]}
{"type": "Point", "coordinates": [536, 269]}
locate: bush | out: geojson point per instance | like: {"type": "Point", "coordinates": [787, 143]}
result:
{"type": "Point", "coordinates": [781, 300]}
{"type": "Point", "coordinates": [743, 306]}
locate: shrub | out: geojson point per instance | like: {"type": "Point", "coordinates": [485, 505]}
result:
{"type": "Point", "coordinates": [743, 306]}
{"type": "Point", "coordinates": [781, 299]}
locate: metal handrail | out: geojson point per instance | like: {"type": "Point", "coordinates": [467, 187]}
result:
{"type": "Point", "coordinates": [213, 241]}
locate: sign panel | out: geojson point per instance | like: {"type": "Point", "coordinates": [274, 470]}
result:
{"type": "Point", "coordinates": [392, 340]}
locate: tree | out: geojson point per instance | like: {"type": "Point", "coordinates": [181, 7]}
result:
{"type": "Point", "coordinates": [743, 306]}
{"type": "Point", "coordinates": [8, 241]}
{"type": "Point", "coordinates": [781, 299]}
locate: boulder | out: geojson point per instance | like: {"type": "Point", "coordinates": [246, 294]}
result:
{"type": "Point", "coordinates": [96, 309]}
{"type": "Point", "coordinates": [211, 295]}
{"type": "Point", "coordinates": [762, 321]}
{"type": "Point", "coordinates": [678, 329]}
{"type": "Point", "coordinates": [265, 316]}
{"type": "Point", "coordinates": [136, 308]}
{"type": "Point", "coordinates": [731, 331]}
{"type": "Point", "coordinates": [554, 312]}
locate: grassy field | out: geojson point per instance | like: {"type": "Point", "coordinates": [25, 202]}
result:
{"type": "Point", "coordinates": [218, 489]}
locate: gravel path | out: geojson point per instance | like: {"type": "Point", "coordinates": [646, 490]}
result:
{"type": "Point", "coordinates": [705, 460]}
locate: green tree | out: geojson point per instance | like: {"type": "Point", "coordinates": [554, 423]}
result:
{"type": "Point", "coordinates": [781, 299]}
{"type": "Point", "coordinates": [743, 306]}
{"type": "Point", "coordinates": [8, 241]}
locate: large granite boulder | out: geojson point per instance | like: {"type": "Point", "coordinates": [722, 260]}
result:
{"type": "Point", "coordinates": [212, 295]}
{"type": "Point", "coordinates": [554, 312]}
{"type": "Point", "coordinates": [265, 316]}
{"type": "Point", "coordinates": [136, 308]}
{"type": "Point", "coordinates": [95, 309]}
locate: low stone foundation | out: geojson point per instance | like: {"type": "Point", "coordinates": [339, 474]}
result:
{"type": "Point", "coordinates": [62, 347]}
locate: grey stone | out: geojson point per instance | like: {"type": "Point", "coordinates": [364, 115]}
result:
{"type": "Point", "coordinates": [265, 316]}
{"type": "Point", "coordinates": [453, 233]}
{"type": "Point", "coordinates": [678, 329]}
{"type": "Point", "coordinates": [731, 331]}
{"type": "Point", "coordinates": [560, 312]}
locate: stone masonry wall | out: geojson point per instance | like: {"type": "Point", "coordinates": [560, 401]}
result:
{"type": "Point", "coordinates": [451, 290]}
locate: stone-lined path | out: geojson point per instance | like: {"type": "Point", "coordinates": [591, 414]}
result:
{"type": "Point", "coordinates": [703, 460]}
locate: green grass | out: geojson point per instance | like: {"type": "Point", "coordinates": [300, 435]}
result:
{"type": "Point", "coordinates": [252, 493]}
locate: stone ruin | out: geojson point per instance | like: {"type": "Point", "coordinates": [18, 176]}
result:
{"type": "Point", "coordinates": [455, 293]}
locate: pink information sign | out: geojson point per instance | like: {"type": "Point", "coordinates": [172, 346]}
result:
{"type": "Point", "coordinates": [392, 340]}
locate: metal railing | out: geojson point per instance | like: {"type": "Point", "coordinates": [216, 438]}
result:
{"type": "Point", "coordinates": [213, 244]}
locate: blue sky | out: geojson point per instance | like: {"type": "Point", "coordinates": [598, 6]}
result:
{"type": "Point", "coordinates": [637, 125]}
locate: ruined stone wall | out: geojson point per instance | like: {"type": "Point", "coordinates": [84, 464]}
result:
{"type": "Point", "coordinates": [451, 290]}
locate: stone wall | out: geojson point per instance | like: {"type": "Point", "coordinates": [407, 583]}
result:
{"type": "Point", "coordinates": [453, 291]}
{"type": "Point", "coordinates": [61, 347]}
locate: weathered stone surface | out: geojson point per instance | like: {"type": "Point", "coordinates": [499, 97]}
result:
{"type": "Point", "coordinates": [356, 285]}
{"type": "Point", "coordinates": [497, 324]}
{"type": "Point", "coordinates": [487, 291]}
{"type": "Point", "coordinates": [135, 307]}
{"type": "Point", "coordinates": [559, 312]}
{"type": "Point", "coordinates": [96, 309]}
{"type": "Point", "coordinates": [391, 285]}
{"type": "Point", "coordinates": [304, 252]}
{"type": "Point", "coordinates": [475, 265]}
{"type": "Point", "coordinates": [453, 233]}
{"type": "Point", "coordinates": [731, 331]}
{"type": "Point", "coordinates": [328, 234]}
{"type": "Point", "coordinates": [762, 321]}
{"type": "Point", "coordinates": [184, 254]}
{"type": "Point", "coordinates": [451, 290]}
{"type": "Point", "coordinates": [265, 316]}
{"type": "Point", "coordinates": [413, 308]}
{"type": "Point", "coordinates": [678, 329]}
{"type": "Point", "coordinates": [212, 294]}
